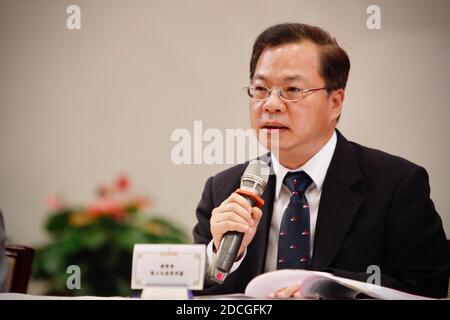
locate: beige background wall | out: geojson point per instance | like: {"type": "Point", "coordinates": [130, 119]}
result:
{"type": "Point", "coordinates": [79, 107]}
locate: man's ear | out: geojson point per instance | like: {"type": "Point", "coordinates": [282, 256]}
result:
{"type": "Point", "coordinates": [337, 99]}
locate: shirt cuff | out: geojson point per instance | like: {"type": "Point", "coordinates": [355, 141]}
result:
{"type": "Point", "coordinates": [210, 255]}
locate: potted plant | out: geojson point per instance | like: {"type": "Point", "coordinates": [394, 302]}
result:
{"type": "Point", "coordinates": [98, 238]}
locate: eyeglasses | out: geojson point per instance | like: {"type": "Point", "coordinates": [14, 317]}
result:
{"type": "Point", "coordinates": [288, 94]}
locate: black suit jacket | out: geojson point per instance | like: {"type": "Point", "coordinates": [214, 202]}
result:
{"type": "Point", "coordinates": [375, 209]}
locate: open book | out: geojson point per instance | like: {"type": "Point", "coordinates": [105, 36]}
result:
{"type": "Point", "coordinates": [321, 285]}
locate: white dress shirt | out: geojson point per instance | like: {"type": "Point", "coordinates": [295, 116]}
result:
{"type": "Point", "coordinates": [316, 168]}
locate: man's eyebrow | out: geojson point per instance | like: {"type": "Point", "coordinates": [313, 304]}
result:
{"type": "Point", "coordinates": [292, 77]}
{"type": "Point", "coordinates": [259, 76]}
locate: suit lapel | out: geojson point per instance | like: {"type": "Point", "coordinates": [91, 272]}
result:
{"type": "Point", "coordinates": [338, 204]}
{"type": "Point", "coordinates": [262, 235]}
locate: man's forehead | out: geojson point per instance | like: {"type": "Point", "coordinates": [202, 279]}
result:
{"type": "Point", "coordinates": [304, 49]}
{"type": "Point", "coordinates": [294, 61]}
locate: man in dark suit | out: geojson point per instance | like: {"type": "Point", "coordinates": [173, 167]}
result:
{"type": "Point", "coordinates": [358, 207]}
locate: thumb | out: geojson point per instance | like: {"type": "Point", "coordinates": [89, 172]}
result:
{"type": "Point", "coordinates": [216, 245]}
{"type": "Point", "coordinates": [256, 214]}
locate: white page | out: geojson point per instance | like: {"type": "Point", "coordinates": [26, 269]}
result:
{"type": "Point", "coordinates": [269, 282]}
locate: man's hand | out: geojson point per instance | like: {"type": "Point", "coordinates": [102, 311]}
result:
{"type": "Point", "coordinates": [235, 214]}
{"type": "Point", "coordinates": [288, 292]}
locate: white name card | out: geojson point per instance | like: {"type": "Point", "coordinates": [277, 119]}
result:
{"type": "Point", "coordinates": [179, 265]}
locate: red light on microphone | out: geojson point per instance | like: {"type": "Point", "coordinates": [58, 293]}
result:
{"type": "Point", "coordinates": [219, 276]}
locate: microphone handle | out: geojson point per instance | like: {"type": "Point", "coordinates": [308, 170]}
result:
{"type": "Point", "coordinates": [228, 251]}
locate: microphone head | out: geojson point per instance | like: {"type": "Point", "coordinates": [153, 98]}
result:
{"type": "Point", "coordinates": [255, 177]}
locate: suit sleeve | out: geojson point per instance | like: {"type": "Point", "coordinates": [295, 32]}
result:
{"type": "Point", "coordinates": [416, 247]}
{"type": "Point", "coordinates": [416, 257]}
{"type": "Point", "coordinates": [201, 232]}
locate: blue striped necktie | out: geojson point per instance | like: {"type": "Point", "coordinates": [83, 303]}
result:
{"type": "Point", "coordinates": [294, 242]}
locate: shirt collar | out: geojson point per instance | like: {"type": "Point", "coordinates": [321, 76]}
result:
{"type": "Point", "coordinates": [316, 167]}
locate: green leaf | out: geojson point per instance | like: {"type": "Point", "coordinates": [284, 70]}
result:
{"type": "Point", "coordinates": [58, 223]}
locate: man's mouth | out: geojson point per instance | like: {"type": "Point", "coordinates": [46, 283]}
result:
{"type": "Point", "coordinates": [274, 127]}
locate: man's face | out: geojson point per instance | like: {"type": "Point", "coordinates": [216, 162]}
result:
{"type": "Point", "coordinates": [303, 126]}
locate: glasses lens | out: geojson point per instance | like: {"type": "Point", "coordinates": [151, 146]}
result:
{"type": "Point", "coordinates": [291, 94]}
{"type": "Point", "coordinates": [258, 92]}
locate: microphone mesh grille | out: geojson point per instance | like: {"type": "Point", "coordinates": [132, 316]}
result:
{"type": "Point", "coordinates": [255, 176]}
{"type": "Point", "coordinates": [258, 168]}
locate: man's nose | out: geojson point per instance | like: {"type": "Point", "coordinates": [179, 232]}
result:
{"type": "Point", "coordinates": [274, 103]}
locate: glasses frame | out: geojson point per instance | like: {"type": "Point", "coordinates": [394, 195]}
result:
{"type": "Point", "coordinates": [278, 90]}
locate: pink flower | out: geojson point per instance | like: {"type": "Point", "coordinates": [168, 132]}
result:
{"type": "Point", "coordinates": [54, 203]}
{"type": "Point", "coordinates": [142, 202]}
{"type": "Point", "coordinates": [123, 183]}
{"type": "Point", "coordinates": [106, 207]}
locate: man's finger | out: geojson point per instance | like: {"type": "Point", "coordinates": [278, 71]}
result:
{"type": "Point", "coordinates": [288, 292]}
{"type": "Point", "coordinates": [256, 214]}
{"type": "Point", "coordinates": [230, 216]}
{"type": "Point", "coordinates": [234, 197]}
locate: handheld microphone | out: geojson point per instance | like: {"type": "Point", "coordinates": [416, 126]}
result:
{"type": "Point", "coordinates": [253, 183]}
